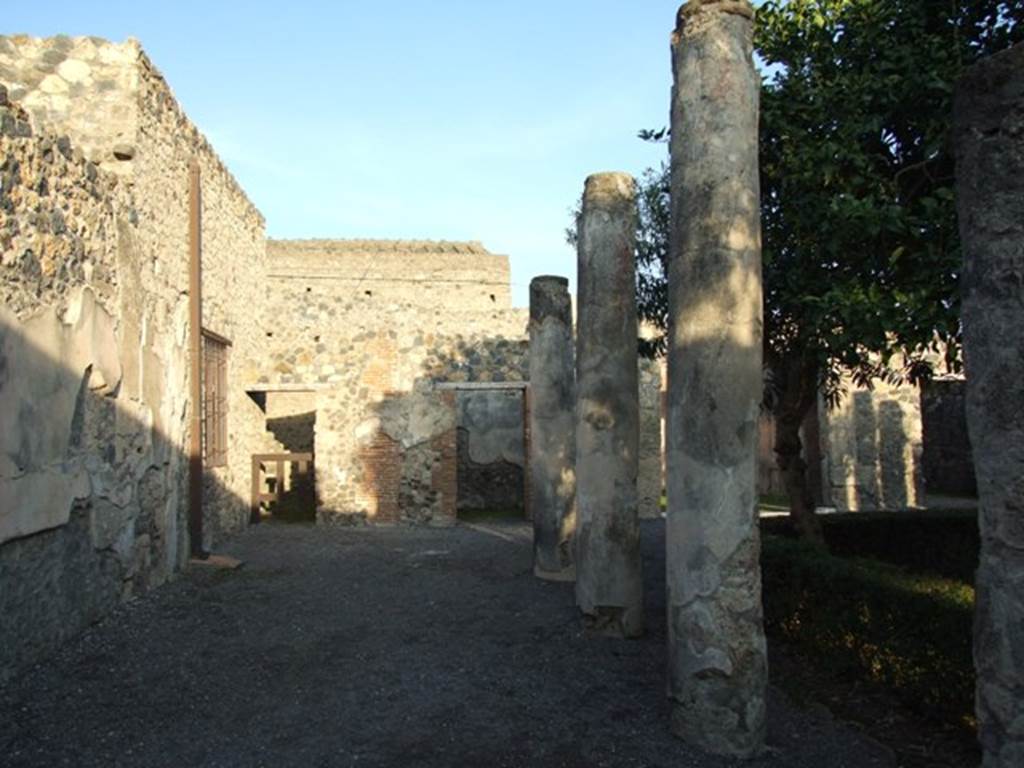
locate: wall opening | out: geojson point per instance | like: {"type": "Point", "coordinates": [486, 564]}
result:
{"type": "Point", "coordinates": [491, 452]}
{"type": "Point", "coordinates": [284, 480]}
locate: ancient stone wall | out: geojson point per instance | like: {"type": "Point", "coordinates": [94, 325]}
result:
{"type": "Point", "coordinates": [94, 360]}
{"type": "Point", "coordinates": [233, 257]}
{"type": "Point", "coordinates": [82, 87]}
{"type": "Point", "coordinates": [428, 274]}
{"type": "Point", "coordinates": [871, 447]}
{"type": "Point", "coordinates": [91, 474]}
{"type": "Point", "coordinates": [386, 410]}
{"type": "Point", "coordinates": [374, 361]}
{"type": "Point", "coordinates": [115, 105]}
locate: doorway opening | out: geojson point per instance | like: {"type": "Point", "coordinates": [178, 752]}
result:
{"type": "Point", "coordinates": [491, 451]}
{"type": "Point", "coordinates": [284, 475]}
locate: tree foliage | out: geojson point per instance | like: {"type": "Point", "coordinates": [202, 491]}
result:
{"type": "Point", "coordinates": [862, 254]}
{"type": "Point", "coordinates": [861, 251]}
{"type": "Point", "coordinates": [860, 241]}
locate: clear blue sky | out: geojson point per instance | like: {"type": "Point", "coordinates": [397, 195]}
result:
{"type": "Point", "coordinates": [454, 119]}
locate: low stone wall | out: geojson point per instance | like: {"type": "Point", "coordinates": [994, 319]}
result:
{"type": "Point", "coordinates": [373, 352]}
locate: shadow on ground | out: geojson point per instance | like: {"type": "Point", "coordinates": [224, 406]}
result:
{"type": "Point", "coordinates": [374, 647]}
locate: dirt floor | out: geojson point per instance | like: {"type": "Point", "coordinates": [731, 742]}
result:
{"type": "Point", "coordinates": [376, 647]}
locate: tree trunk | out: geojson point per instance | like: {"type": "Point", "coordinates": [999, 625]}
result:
{"type": "Point", "coordinates": [799, 393]}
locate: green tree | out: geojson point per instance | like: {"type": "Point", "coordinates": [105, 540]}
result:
{"type": "Point", "coordinates": [861, 251]}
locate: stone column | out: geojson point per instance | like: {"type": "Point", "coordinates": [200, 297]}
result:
{"type": "Point", "coordinates": [716, 645]}
{"type": "Point", "coordinates": [609, 590]}
{"type": "Point", "coordinates": [989, 141]}
{"type": "Point", "coordinates": [552, 428]}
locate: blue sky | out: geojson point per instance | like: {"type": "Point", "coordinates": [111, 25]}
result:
{"type": "Point", "coordinates": [455, 119]}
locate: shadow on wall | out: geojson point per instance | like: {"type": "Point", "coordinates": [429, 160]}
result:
{"type": "Point", "coordinates": [477, 361]}
{"type": "Point", "coordinates": [867, 481]}
{"type": "Point", "coordinates": [897, 474]}
{"type": "Point", "coordinates": [294, 432]}
{"type": "Point", "coordinates": [93, 492]}
{"type": "Point", "coordinates": [885, 470]}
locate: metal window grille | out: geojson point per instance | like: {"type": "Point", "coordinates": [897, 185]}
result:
{"type": "Point", "coordinates": [215, 400]}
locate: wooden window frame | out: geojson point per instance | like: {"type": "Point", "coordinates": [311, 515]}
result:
{"type": "Point", "coordinates": [214, 389]}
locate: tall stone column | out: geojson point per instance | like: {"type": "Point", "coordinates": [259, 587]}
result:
{"type": "Point", "coordinates": [716, 645]}
{"type": "Point", "coordinates": [989, 141]}
{"type": "Point", "coordinates": [552, 428]}
{"type": "Point", "coordinates": [609, 590]}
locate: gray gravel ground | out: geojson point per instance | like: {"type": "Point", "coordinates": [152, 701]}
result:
{"type": "Point", "coordinates": [375, 647]}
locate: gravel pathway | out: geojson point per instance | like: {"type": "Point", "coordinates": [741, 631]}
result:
{"type": "Point", "coordinates": [374, 647]}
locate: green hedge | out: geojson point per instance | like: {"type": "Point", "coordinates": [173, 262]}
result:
{"type": "Point", "coordinates": [945, 543]}
{"type": "Point", "coordinates": [909, 633]}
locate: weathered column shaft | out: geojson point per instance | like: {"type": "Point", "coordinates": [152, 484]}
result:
{"type": "Point", "coordinates": [717, 659]}
{"type": "Point", "coordinates": [609, 590]}
{"type": "Point", "coordinates": [989, 139]}
{"type": "Point", "coordinates": [552, 428]}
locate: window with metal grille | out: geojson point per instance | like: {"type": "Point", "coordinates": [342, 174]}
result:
{"type": "Point", "coordinates": [215, 399]}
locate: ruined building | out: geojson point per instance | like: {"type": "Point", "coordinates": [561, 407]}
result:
{"type": "Point", "coordinates": [364, 381]}
{"type": "Point", "coordinates": [385, 379]}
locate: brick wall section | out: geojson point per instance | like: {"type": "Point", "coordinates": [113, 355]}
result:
{"type": "Point", "coordinates": [382, 467]}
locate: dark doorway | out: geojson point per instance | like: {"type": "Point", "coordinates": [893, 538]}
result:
{"type": "Point", "coordinates": [491, 452]}
{"type": "Point", "coordinates": [285, 475]}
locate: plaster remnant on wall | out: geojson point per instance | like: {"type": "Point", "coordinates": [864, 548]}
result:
{"type": "Point", "coordinates": [50, 363]}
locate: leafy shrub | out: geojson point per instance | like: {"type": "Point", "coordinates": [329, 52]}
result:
{"type": "Point", "coordinates": [945, 543]}
{"type": "Point", "coordinates": [907, 632]}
